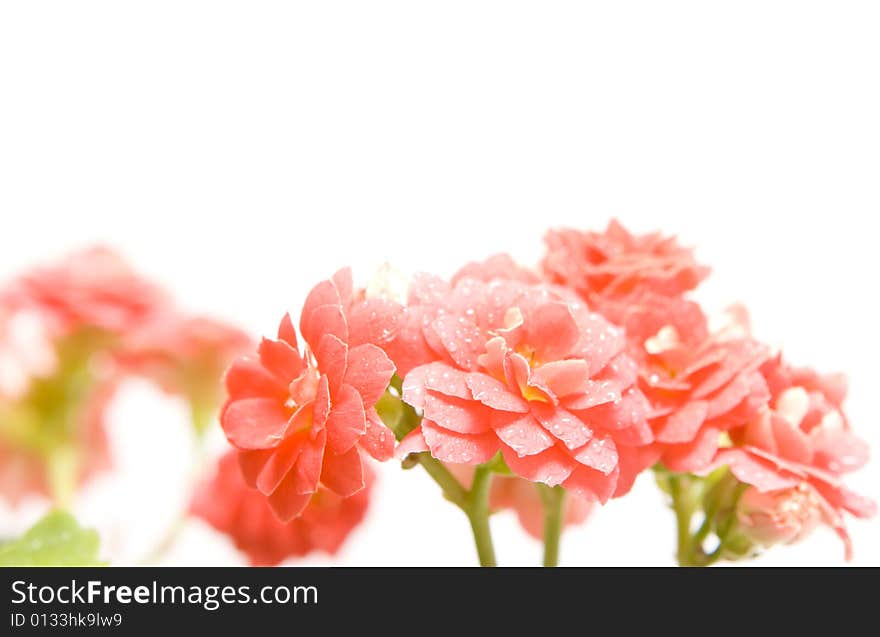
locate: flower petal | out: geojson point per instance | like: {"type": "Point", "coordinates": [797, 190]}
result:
{"type": "Point", "coordinates": [754, 471]}
{"type": "Point", "coordinates": [247, 378]}
{"type": "Point", "coordinates": [378, 440]}
{"type": "Point", "coordinates": [792, 443]}
{"type": "Point", "coordinates": [460, 338]}
{"type": "Point", "coordinates": [369, 371]}
{"type": "Point", "coordinates": [344, 473]}
{"type": "Point", "coordinates": [279, 464]}
{"type": "Point", "coordinates": [323, 320]}
{"type": "Point", "coordinates": [565, 377]}
{"type": "Point", "coordinates": [733, 394]}
{"type": "Point", "coordinates": [522, 433]}
{"type": "Point", "coordinates": [251, 464]}
{"type": "Point", "coordinates": [413, 442]}
{"type": "Point", "coordinates": [455, 414]}
{"type": "Point", "coordinates": [551, 467]}
{"type": "Point", "coordinates": [286, 331]}
{"type": "Point", "coordinates": [599, 454]}
{"type": "Point", "coordinates": [280, 359]}
{"type": "Point", "coordinates": [562, 424]}
{"type": "Point", "coordinates": [346, 422]}
{"type": "Point", "coordinates": [286, 502]}
{"type": "Point", "coordinates": [450, 446]}
{"type": "Point", "coordinates": [495, 394]}
{"type": "Point", "coordinates": [255, 423]}
{"type": "Point", "coordinates": [592, 485]}
{"type": "Point", "coordinates": [308, 467]}
{"type": "Point", "coordinates": [332, 357]}
{"type": "Point", "coordinates": [601, 342]}
{"type": "Point", "coordinates": [693, 456]}
{"type": "Point", "coordinates": [627, 413]}
{"type": "Point", "coordinates": [838, 450]}
{"type": "Point", "coordinates": [438, 377]}
{"type": "Point", "coordinates": [682, 425]}
{"type": "Point", "coordinates": [552, 331]}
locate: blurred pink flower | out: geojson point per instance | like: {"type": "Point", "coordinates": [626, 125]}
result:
{"type": "Point", "coordinates": [301, 419]}
{"type": "Point", "coordinates": [635, 281]}
{"type": "Point", "coordinates": [617, 263]}
{"type": "Point", "coordinates": [801, 440]}
{"type": "Point", "coordinates": [527, 371]}
{"type": "Point", "coordinates": [186, 355]}
{"type": "Point", "coordinates": [94, 288]}
{"type": "Point", "coordinates": [227, 503]}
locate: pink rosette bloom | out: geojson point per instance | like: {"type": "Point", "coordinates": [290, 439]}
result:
{"type": "Point", "coordinates": [637, 282]}
{"type": "Point", "coordinates": [95, 288]}
{"type": "Point", "coordinates": [529, 372]}
{"type": "Point", "coordinates": [696, 393]}
{"type": "Point", "coordinates": [301, 419]}
{"type": "Point", "coordinates": [801, 440]}
{"type": "Point", "coordinates": [230, 506]}
{"type": "Point", "coordinates": [616, 262]}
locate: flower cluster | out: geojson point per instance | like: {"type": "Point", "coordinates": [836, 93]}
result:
{"type": "Point", "coordinates": [573, 377]}
{"type": "Point", "coordinates": [545, 391]}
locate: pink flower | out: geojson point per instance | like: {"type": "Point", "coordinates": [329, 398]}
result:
{"type": "Point", "coordinates": [301, 419]}
{"type": "Point", "coordinates": [230, 506]}
{"type": "Point", "coordinates": [696, 393]}
{"type": "Point", "coordinates": [617, 263]}
{"type": "Point", "coordinates": [527, 371]}
{"type": "Point", "coordinates": [637, 282]}
{"type": "Point", "coordinates": [94, 289]}
{"type": "Point", "coordinates": [780, 517]}
{"type": "Point", "coordinates": [801, 440]}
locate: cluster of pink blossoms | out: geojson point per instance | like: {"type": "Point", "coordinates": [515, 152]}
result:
{"type": "Point", "coordinates": [578, 375]}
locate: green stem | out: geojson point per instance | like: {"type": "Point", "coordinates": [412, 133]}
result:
{"type": "Point", "coordinates": [474, 502]}
{"type": "Point", "coordinates": [63, 469]}
{"type": "Point", "coordinates": [683, 514]}
{"type": "Point", "coordinates": [452, 489]}
{"type": "Point", "coordinates": [554, 511]}
{"type": "Point", "coordinates": [478, 513]}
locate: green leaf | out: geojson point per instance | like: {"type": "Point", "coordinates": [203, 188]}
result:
{"type": "Point", "coordinates": [56, 540]}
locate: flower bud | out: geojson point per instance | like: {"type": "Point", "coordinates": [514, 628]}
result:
{"type": "Point", "coordinates": [778, 517]}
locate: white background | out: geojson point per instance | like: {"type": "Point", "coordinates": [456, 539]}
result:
{"type": "Point", "coordinates": [239, 152]}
